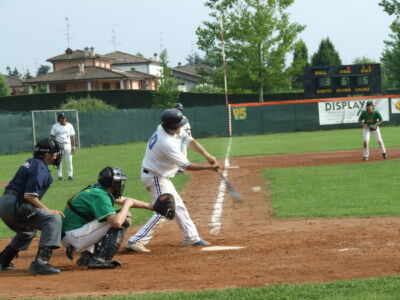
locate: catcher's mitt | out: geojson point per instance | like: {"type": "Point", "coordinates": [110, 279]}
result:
{"type": "Point", "coordinates": [372, 127]}
{"type": "Point", "coordinates": [165, 206]}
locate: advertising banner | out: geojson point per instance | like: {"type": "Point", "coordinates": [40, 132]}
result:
{"type": "Point", "coordinates": [341, 112]}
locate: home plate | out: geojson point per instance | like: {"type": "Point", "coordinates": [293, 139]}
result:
{"type": "Point", "coordinates": [221, 248]}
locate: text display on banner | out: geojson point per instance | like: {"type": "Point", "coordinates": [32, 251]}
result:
{"type": "Point", "coordinates": [341, 112]}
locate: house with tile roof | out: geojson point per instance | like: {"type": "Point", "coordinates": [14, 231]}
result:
{"type": "Point", "coordinates": [129, 62]}
{"type": "Point", "coordinates": [16, 85]}
{"type": "Point", "coordinates": [86, 70]}
{"type": "Point", "coordinates": [190, 75]}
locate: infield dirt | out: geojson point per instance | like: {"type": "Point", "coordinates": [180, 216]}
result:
{"type": "Point", "coordinates": [275, 250]}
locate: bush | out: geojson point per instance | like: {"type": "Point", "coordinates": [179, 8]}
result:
{"type": "Point", "coordinates": [86, 104]}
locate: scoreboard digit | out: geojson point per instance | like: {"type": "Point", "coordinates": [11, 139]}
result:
{"type": "Point", "coordinates": [342, 81]}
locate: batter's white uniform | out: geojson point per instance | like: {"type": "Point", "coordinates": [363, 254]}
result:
{"type": "Point", "coordinates": [161, 162]}
{"type": "Point", "coordinates": [186, 129]}
{"type": "Point", "coordinates": [62, 134]}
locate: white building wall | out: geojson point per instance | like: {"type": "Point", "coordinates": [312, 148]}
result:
{"type": "Point", "coordinates": [151, 69]}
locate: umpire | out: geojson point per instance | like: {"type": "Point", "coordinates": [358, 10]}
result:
{"type": "Point", "coordinates": [22, 210]}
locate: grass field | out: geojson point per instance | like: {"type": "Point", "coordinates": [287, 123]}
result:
{"type": "Point", "coordinates": [346, 190]}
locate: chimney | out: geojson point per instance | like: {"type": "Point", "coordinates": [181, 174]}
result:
{"type": "Point", "coordinates": [92, 51]}
{"type": "Point", "coordinates": [155, 56]}
{"type": "Point", "coordinates": [86, 49]}
{"type": "Point", "coordinates": [81, 67]}
{"type": "Point", "coordinates": [179, 64]}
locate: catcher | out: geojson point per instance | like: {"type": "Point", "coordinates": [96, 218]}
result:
{"type": "Point", "coordinates": [371, 119]}
{"type": "Point", "coordinates": [92, 223]}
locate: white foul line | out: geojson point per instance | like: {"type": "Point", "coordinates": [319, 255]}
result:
{"type": "Point", "coordinates": [215, 222]}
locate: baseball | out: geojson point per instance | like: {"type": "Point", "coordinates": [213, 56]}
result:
{"type": "Point", "coordinates": [256, 189]}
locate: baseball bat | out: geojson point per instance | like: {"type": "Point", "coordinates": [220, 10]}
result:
{"type": "Point", "coordinates": [230, 188]}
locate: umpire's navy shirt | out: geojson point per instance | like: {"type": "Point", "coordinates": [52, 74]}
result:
{"type": "Point", "coordinates": [33, 177]}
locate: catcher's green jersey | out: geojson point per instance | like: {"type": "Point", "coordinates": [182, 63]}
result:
{"type": "Point", "coordinates": [93, 201]}
{"type": "Point", "coordinates": [370, 118]}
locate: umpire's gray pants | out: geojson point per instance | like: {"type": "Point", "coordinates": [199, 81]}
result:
{"type": "Point", "coordinates": [49, 224]}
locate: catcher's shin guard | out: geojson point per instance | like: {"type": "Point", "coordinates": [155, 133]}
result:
{"type": "Point", "coordinates": [6, 256]}
{"type": "Point", "coordinates": [106, 249]}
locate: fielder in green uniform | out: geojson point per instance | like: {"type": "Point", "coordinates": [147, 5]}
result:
{"type": "Point", "coordinates": [371, 119]}
{"type": "Point", "coordinates": [92, 223]}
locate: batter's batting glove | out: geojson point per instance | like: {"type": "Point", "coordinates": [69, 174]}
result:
{"type": "Point", "coordinates": [165, 206]}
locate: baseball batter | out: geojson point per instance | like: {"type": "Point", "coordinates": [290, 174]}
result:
{"type": "Point", "coordinates": [162, 160]}
{"type": "Point", "coordinates": [370, 119]}
{"type": "Point", "coordinates": [64, 133]}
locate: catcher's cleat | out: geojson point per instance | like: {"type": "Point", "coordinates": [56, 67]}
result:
{"type": "Point", "coordinates": [136, 247]}
{"type": "Point", "coordinates": [199, 243]}
{"type": "Point", "coordinates": [84, 259]}
{"type": "Point", "coordinates": [365, 158]}
{"type": "Point", "coordinates": [384, 155]}
{"type": "Point", "coordinates": [101, 263]}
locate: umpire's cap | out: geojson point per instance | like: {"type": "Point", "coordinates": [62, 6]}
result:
{"type": "Point", "coordinates": [370, 103]}
{"type": "Point", "coordinates": [49, 146]}
{"type": "Point", "coordinates": [172, 118]}
{"type": "Point", "coordinates": [179, 106]}
{"type": "Point", "coordinates": [61, 116]}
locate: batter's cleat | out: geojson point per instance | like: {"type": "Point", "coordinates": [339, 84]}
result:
{"type": "Point", "coordinates": [84, 259]}
{"type": "Point", "coordinates": [70, 178]}
{"type": "Point", "coordinates": [136, 247]}
{"type": "Point", "coordinates": [8, 267]}
{"type": "Point", "coordinates": [365, 158]}
{"type": "Point", "coordinates": [199, 243]}
{"type": "Point", "coordinates": [40, 267]}
{"type": "Point", "coordinates": [101, 263]}
{"type": "Point", "coordinates": [384, 155]}
{"type": "Point", "coordinates": [60, 178]}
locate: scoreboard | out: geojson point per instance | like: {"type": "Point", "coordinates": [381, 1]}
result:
{"type": "Point", "coordinates": [342, 81]}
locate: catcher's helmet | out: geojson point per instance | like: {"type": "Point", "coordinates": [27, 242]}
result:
{"type": "Point", "coordinates": [61, 116]}
{"type": "Point", "coordinates": [113, 177]}
{"type": "Point", "coordinates": [172, 118]}
{"type": "Point", "coordinates": [179, 106]}
{"type": "Point", "coordinates": [49, 146]}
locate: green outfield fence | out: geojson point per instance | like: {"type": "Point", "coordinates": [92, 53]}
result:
{"type": "Point", "coordinates": [17, 129]}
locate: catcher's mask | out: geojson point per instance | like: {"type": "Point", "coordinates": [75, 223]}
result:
{"type": "Point", "coordinates": [172, 118]}
{"type": "Point", "coordinates": [49, 146]}
{"type": "Point", "coordinates": [113, 177]}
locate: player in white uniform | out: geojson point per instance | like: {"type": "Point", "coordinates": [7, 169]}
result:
{"type": "Point", "coordinates": [162, 160]}
{"type": "Point", "coordinates": [64, 133]}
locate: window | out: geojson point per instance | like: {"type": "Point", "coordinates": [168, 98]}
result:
{"type": "Point", "coordinates": [106, 86]}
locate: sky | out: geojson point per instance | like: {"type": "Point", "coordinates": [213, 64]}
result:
{"type": "Point", "coordinates": [33, 31]}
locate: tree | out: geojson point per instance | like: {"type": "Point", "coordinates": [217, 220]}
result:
{"type": "Point", "coordinates": [43, 69]}
{"type": "Point", "coordinates": [300, 61]}
{"type": "Point", "coordinates": [363, 60]}
{"type": "Point", "coordinates": [167, 93]}
{"type": "Point", "coordinates": [196, 59]}
{"type": "Point", "coordinates": [390, 58]}
{"type": "Point", "coordinates": [14, 73]}
{"type": "Point", "coordinates": [4, 88]}
{"type": "Point", "coordinates": [27, 74]}
{"type": "Point", "coordinates": [326, 55]}
{"type": "Point", "coordinates": [257, 38]}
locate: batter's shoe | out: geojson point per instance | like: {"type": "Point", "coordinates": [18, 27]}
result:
{"type": "Point", "coordinates": [136, 247]}
{"type": "Point", "coordinates": [70, 178]}
{"type": "Point", "coordinates": [365, 158]}
{"type": "Point", "coordinates": [384, 155]}
{"type": "Point", "coordinates": [101, 263]}
{"type": "Point", "coordinates": [199, 243]}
